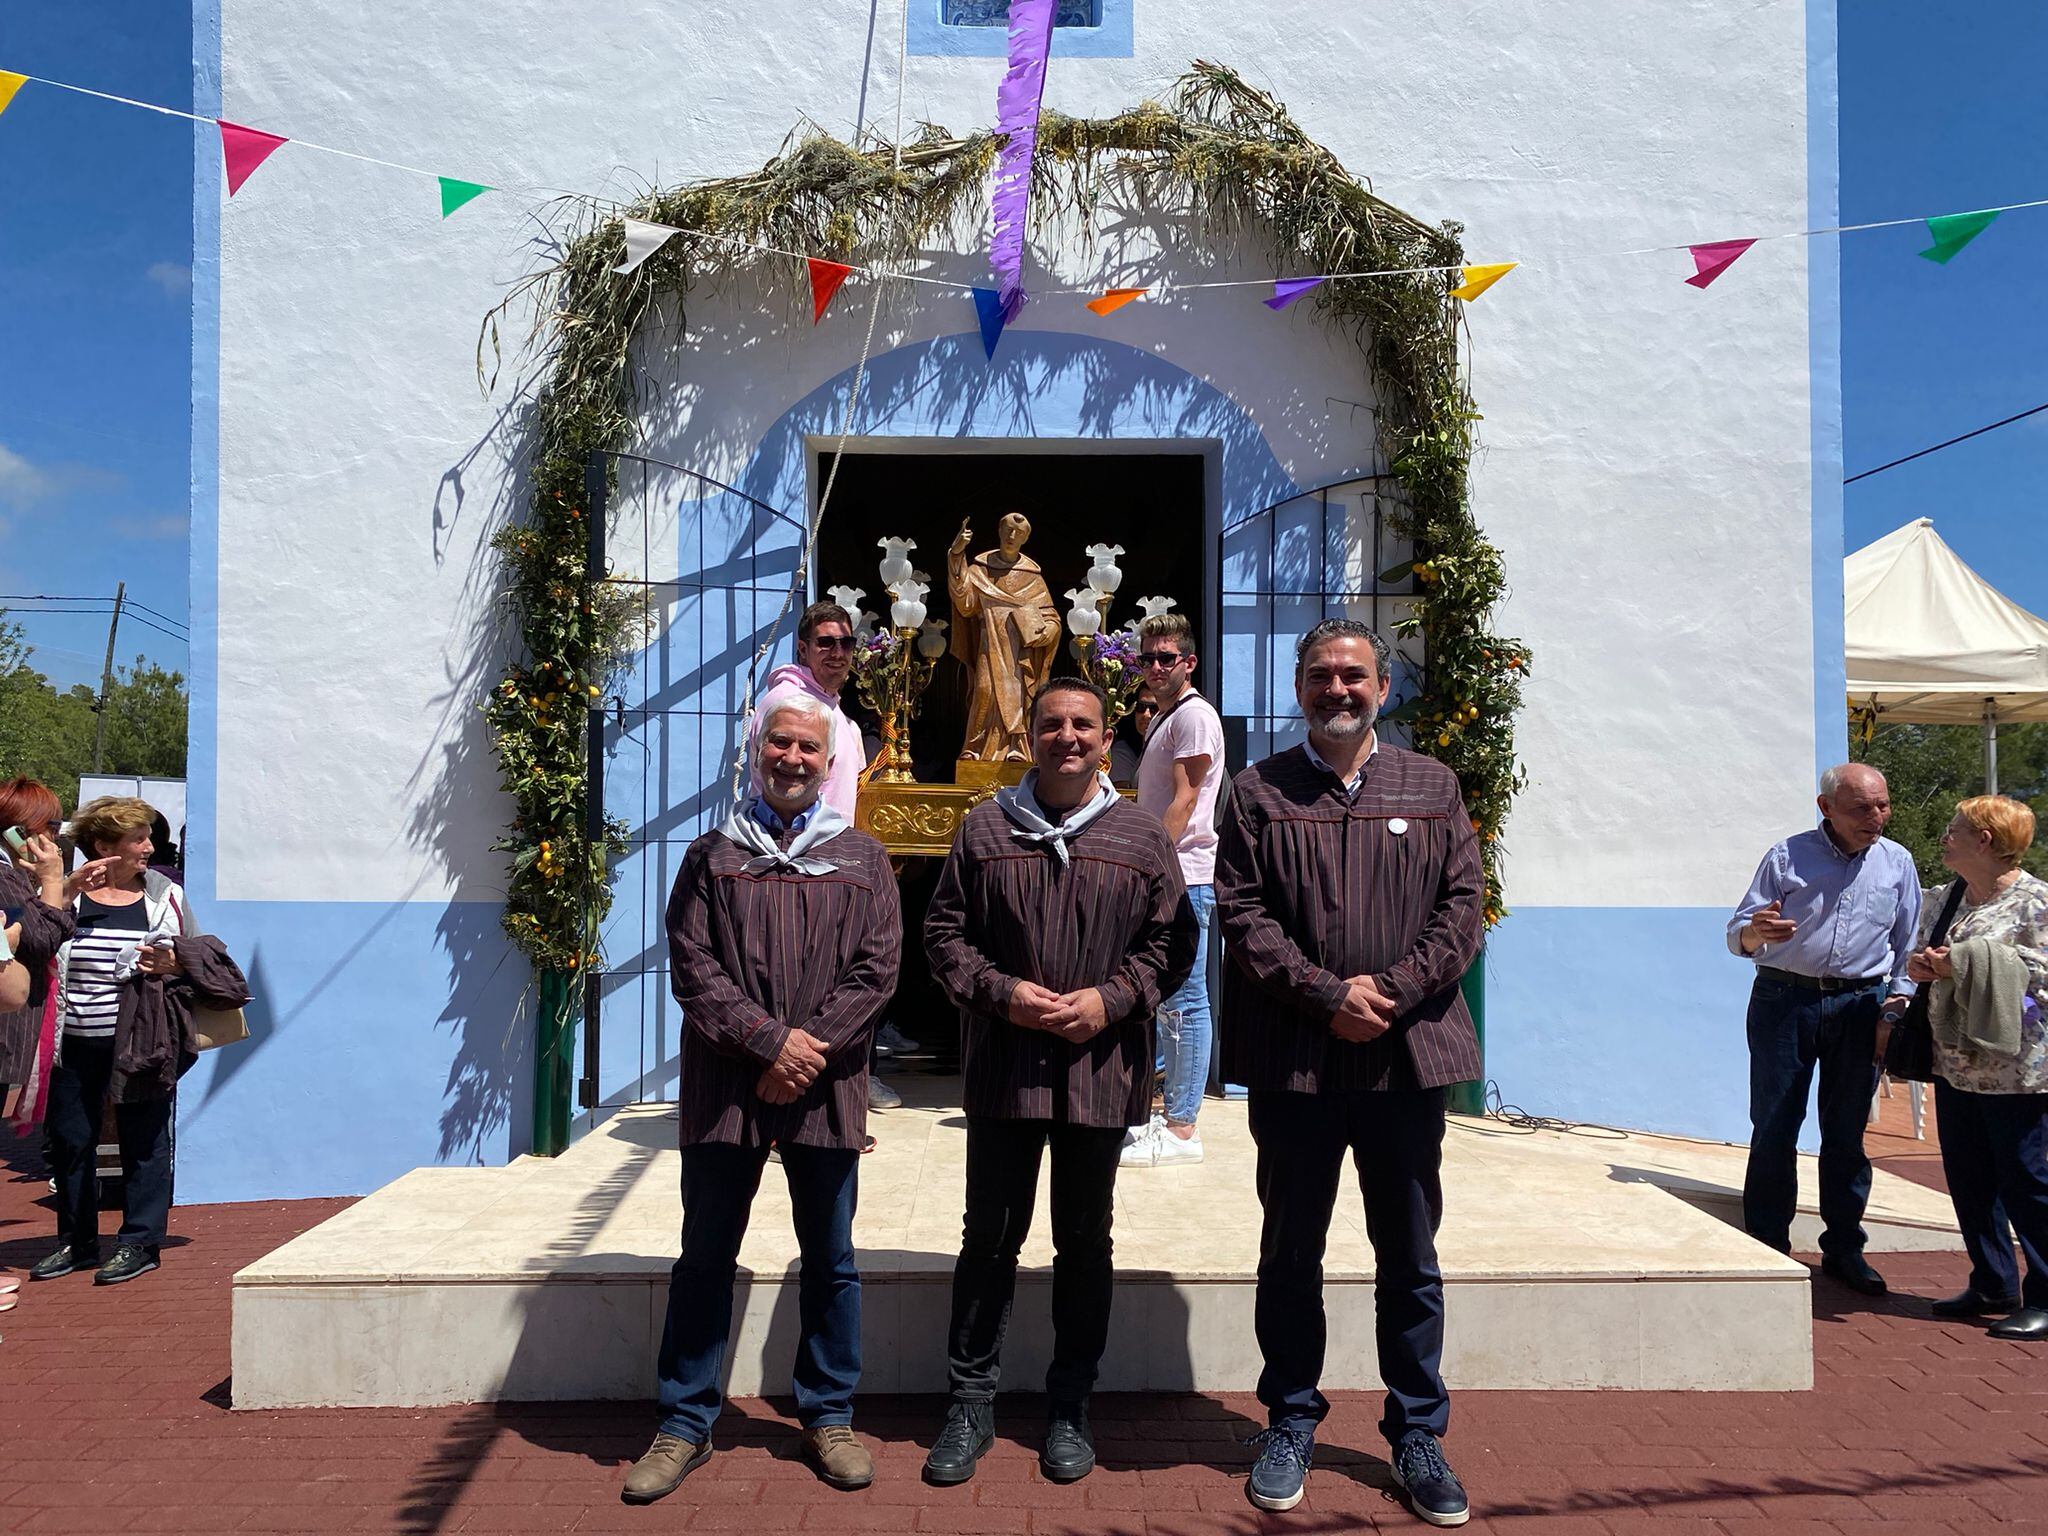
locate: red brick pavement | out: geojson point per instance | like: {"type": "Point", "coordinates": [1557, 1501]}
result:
{"type": "Point", "coordinates": [113, 1417]}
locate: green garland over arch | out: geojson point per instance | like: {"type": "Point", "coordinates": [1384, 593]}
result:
{"type": "Point", "coordinates": [1221, 150]}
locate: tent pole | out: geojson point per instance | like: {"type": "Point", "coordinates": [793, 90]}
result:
{"type": "Point", "coordinates": [1990, 747]}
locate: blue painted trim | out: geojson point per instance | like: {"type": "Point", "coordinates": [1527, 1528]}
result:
{"type": "Point", "coordinates": [1623, 1016]}
{"type": "Point", "coordinates": [203, 724]}
{"type": "Point", "coordinates": [1114, 38]}
{"type": "Point", "coordinates": [1824, 362]}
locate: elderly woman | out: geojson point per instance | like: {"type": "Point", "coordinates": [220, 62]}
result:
{"type": "Point", "coordinates": [37, 902]}
{"type": "Point", "coordinates": [1989, 982]}
{"type": "Point", "coordinates": [126, 928]}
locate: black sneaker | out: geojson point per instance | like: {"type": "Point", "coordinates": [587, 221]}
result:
{"type": "Point", "coordinates": [1433, 1488]}
{"type": "Point", "coordinates": [1069, 1453]}
{"type": "Point", "coordinates": [969, 1430]}
{"type": "Point", "coordinates": [129, 1260]}
{"type": "Point", "coordinates": [1282, 1467]}
{"type": "Point", "coordinates": [61, 1263]}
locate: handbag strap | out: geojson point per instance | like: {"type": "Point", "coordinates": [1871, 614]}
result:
{"type": "Point", "coordinates": [1939, 933]}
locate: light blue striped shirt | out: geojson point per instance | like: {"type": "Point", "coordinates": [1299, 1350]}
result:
{"type": "Point", "coordinates": [1856, 913]}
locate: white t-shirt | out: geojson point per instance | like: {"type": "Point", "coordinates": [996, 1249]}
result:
{"type": "Point", "coordinates": [1192, 728]}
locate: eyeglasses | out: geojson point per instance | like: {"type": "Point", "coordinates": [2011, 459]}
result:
{"type": "Point", "coordinates": [833, 642]}
{"type": "Point", "coordinates": [1161, 658]}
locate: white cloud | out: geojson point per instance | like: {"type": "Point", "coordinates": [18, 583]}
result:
{"type": "Point", "coordinates": [21, 483]}
{"type": "Point", "coordinates": [173, 277]}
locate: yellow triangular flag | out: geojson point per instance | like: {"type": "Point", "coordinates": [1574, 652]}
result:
{"type": "Point", "coordinates": [10, 82]}
{"type": "Point", "coordinates": [1479, 279]}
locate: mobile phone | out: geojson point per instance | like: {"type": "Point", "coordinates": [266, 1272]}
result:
{"type": "Point", "coordinates": [16, 839]}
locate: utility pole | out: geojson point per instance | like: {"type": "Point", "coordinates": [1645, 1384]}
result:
{"type": "Point", "coordinates": [99, 733]}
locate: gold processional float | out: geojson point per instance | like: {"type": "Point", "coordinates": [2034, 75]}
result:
{"type": "Point", "coordinates": [1005, 631]}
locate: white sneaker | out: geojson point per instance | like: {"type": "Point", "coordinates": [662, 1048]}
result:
{"type": "Point", "coordinates": [1141, 1145]}
{"type": "Point", "coordinates": [1168, 1148]}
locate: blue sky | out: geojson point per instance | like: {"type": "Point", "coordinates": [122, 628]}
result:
{"type": "Point", "coordinates": [1938, 115]}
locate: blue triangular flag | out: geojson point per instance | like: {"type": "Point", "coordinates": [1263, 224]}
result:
{"type": "Point", "coordinates": [988, 306]}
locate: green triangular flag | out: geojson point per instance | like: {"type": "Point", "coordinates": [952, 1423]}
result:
{"type": "Point", "coordinates": [455, 193]}
{"type": "Point", "coordinates": [1953, 231]}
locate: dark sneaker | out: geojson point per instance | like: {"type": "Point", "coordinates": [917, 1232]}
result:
{"type": "Point", "coordinates": [1855, 1274]}
{"type": "Point", "coordinates": [1282, 1467]}
{"type": "Point", "coordinates": [129, 1260]}
{"type": "Point", "coordinates": [881, 1095]}
{"type": "Point", "coordinates": [1433, 1488]}
{"type": "Point", "coordinates": [1069, 1453]}
{"type": "Point", "coordinates": [668, 1461]}
{"type": "Point", "coordinates": [61, 1263]}
{"type": "Point", "coordinates": [969, 1430]}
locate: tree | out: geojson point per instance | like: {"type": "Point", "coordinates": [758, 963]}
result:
{"type": "Point", "coordinates": [48, 735]}
{"type": "Point", "coordinates": [1931, 767]}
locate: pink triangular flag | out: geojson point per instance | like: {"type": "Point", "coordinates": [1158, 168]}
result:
{"type": "Point", "coordinates": [1287, 289]}
{"type": "Point", "coordinates": [1714, 258]}
{"type": "Point", "coordinates": [245, 149]}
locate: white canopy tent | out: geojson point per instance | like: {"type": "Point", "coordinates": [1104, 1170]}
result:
{"type": "Point", "coordinates": [1930, 642]}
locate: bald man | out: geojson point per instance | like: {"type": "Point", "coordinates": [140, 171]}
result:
{"type": "Point", "coordinates": [1829, 921]}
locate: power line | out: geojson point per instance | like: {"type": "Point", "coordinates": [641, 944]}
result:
{"type": "Point", "coordinates": [1964, 438]}
{"type": "Point", "coordinates": [108, 608]}
{"type": "Point", "coordinates": [132, 603]}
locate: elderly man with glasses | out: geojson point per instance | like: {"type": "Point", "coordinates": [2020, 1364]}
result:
{"type": "Point", "coordinates": [1178, 776]}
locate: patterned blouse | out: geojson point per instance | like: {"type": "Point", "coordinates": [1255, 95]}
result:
{"type": "Point", "coordinates": [2017, 915]}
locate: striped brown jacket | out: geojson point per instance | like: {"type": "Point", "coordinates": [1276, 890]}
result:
{"type": "Point", "coordinates": [751, 956]}
{"type": "Point", "coordinates": [1313, 889]}
{"type": "Point", "coordinates": [1116, 917]}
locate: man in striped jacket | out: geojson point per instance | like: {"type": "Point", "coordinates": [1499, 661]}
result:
{"type": "Point", "coordinates": [785, 933]}
{"type": "Point", "coordinates": [1059, 922]}
{"type": "Point", "coordinates": [1350, 896]}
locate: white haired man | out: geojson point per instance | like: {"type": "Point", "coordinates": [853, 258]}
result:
{"type": "Point", "coordinates": [1829, 921]}
{"type": "Point", "coordinates": [785, 933]}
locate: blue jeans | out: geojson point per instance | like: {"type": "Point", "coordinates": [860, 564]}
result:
{"type": "Point", "coordinates": [1793, 1030]}
{"type": "Point", "coordinates": [1185, 1042]}
{"type": "Point", "coordinates": [1994, 1155]}
{"type": "Point", "coordinates": [719, 1182]}
{"type": "Point", "coordinates": [1395, 1139]}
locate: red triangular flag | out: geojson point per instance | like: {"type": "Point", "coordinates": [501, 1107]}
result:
{"type": "Point", "coordinates": [826, 276]}
{"type": "Point", "coordinates": [1714, 258]}
{"type": "Point", "coordinates": [245, 149]}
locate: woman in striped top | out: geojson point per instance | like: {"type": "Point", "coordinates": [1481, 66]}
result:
{"type": "Point", "coordinates": [124, 928]}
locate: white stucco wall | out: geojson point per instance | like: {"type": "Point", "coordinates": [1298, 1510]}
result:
{"type": "Point", "coordinates": [1646, 462]}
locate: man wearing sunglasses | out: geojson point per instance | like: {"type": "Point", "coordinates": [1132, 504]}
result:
{"type": "Point", "coordinates": [1178, 777]}
{"type": "Point", "coordinates": [824, 661]}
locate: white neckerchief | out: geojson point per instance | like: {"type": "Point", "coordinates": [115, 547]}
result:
{"type": "Point", "coordinates": [1030, 824]}
{"type": "Point", "coordinates": [744, 829]}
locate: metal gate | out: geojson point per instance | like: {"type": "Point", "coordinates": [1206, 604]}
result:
{"type": "Point", "coordinates": [1320, 554]}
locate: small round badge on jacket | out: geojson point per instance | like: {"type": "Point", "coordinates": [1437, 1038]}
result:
{"type": "Point", "coordinates": [1397, 826]}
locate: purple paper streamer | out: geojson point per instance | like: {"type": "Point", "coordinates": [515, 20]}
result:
{"type": "Point", "coordinates": [1017, 101]}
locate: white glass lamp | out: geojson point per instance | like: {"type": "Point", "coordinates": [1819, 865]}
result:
{"type": "Point", "coordinates": [895, 560]}
{"type": "Point", "coordinates": [846, 597]}
{"type": "Point", "coordinates": [908, 611]}
{"type": "Point", "coordinates": [1105, 576]}
{"type": "Point", "coordinates": [1153, 607]}
{"type": "Point", "coordinates": [931, 639]}
{"type": "Point", "coordinates": [1084, 618]}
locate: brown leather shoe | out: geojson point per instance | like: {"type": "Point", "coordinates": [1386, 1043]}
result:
{"type": "Point", "coordinates": [840, 1458]}
{"type": "Point", "coordinates": [667, 1462]}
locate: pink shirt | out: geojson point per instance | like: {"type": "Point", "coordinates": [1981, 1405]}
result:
{"type": "Point", "coordinates": [1192, 728]}
{"type": "Point", "coordinates": [849, 757]}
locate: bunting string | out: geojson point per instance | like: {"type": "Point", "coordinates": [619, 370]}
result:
{"type": "Point", "coordinates": [246, 148]}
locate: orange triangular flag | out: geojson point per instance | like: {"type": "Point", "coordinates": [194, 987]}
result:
{"type": "Point", "coordinates": [244, 149]}
{"type": "Point", "coordinates": [826, 276]}
{"type": "Point", "coordinates": [1115, 299]}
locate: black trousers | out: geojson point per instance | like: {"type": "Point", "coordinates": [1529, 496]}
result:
{"type": "Point", "coordinates": [1003, 1158]}
{"type": "Point", "coordinates": [78, 1102]}
{"type": "Point", "coordinates": [1994, 1153]}
{"type": "Point", "coordinates": [1396, 1140]}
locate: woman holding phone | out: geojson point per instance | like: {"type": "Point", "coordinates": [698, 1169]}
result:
{"type": "Point", "coordinates": [125, 923]}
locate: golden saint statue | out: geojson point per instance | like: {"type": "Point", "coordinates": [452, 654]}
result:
{"type": "Point", "coordinates": [1006, 630]}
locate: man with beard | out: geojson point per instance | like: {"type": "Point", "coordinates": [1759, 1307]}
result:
{"type": "Point", "coordinates": [1350, 895]}
{"type": "Point", "coordinates": [784, 938]}
{"type": "Point", "coordinates": [1059, 923]}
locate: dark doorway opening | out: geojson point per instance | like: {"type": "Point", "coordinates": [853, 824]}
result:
{"type": "Point", "coordinates": [1150, 503]}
